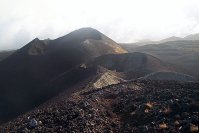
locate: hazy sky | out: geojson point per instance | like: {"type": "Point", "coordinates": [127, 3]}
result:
{"type": "Point", "coordinates": [122, 20]}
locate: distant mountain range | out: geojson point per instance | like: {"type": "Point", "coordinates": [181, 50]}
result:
{"type": "Point", "coordinates": [173, 38]}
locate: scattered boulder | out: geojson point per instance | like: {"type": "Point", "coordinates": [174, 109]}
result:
{"type": "Point", "coordinates": [33, 123]}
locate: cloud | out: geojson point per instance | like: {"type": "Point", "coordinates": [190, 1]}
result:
{"type": "Point", "coordinates": [122, 20]}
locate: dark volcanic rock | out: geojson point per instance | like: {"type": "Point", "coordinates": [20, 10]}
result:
{"type": "Point", "coordinates": [136, 106]}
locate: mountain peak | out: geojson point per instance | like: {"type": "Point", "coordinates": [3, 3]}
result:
{"type": "Point", "coordinates": [90, 41]}
{"type": "Point", "coordinates": [87, 33]}
{"type": "Point", "coordinates": [36, 39]}
{"type": "Point", "coordinates": [87, 29]}
{"type": "Point", "coordinates": [37, 47]}
{"type": "Point", "coordinates": [172, 38]}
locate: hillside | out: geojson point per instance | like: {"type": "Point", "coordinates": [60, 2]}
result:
{"type": "Point", "coordinates": [129, 61]}
{"type": "Point", "coordinates": [136, 106]}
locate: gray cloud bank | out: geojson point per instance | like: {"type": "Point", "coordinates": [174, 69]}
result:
{"type": "Point", "coordinates": [122, 20]}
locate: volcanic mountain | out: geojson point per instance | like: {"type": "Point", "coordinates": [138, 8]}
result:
{"type": "Point", "coordinates": [27, 76]}
{"type": "Point", "coordinates": [82, 60]}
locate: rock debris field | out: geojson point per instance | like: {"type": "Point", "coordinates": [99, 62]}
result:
{"type": "Point", "coordinates": [140, 106]}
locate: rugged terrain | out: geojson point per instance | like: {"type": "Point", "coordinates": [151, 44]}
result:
{"type": "Point", "coordinates": [84, 81]}
{"type": "Point", "coordinates": [135, 106]}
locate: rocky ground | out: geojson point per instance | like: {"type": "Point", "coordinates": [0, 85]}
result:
{"type": "Point", "coordinates": [135, 106]}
